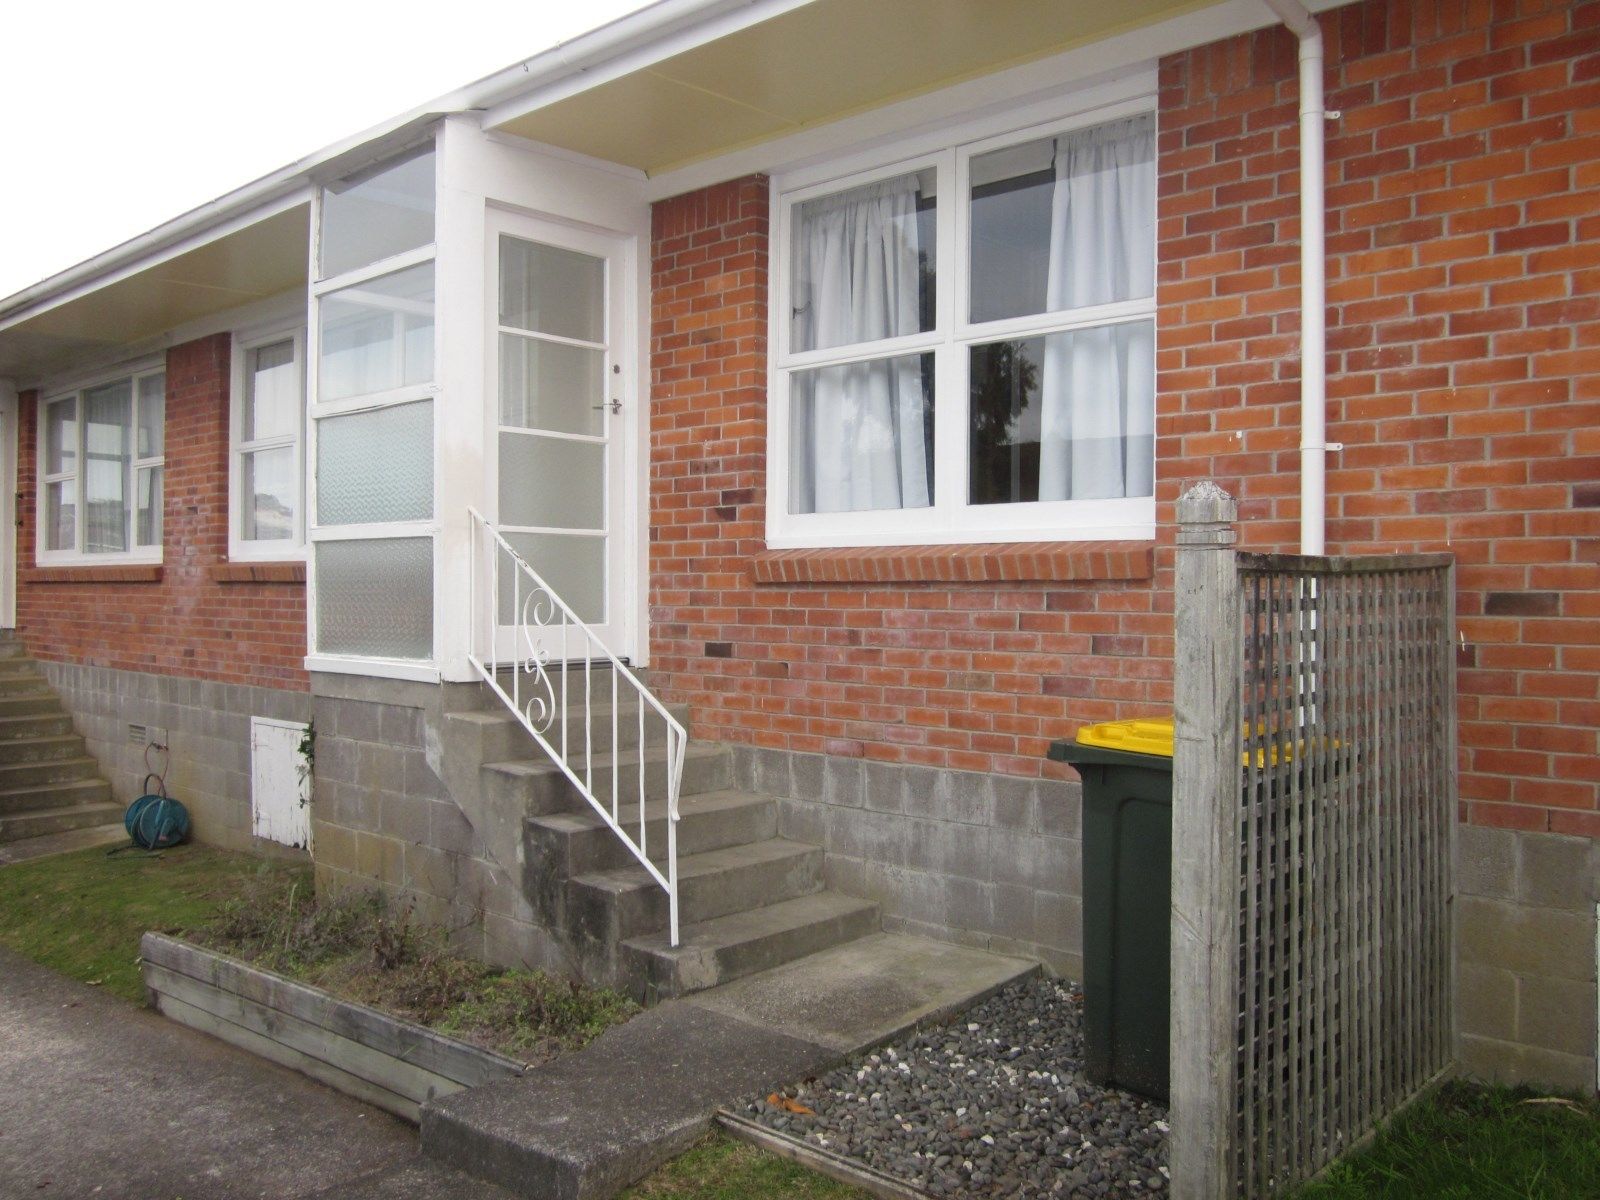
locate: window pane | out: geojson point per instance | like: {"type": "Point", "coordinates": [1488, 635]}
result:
{"type": "Point", "coordinates": [546, 385]}
{"type": "Point", "coordinates": [1068, 416]}
{"type": "Point", "coordinates": [61, 515]}
{"type": "Point", "coordinates": [1064, 222]}
{"type": "Point", "coordinates": [271, 392]}
{"type": "Point", "coordinates": [863, 264]}
{"type": "Point", "coordinates": [147, 515]}
{"type": "Point", "coordinates": [376, 466]}
{"type": "Point", "coordinates": [152, 416]}
{"type": "Point", "coordinates": [378, 335]}
{"type": "Point", "coordinates": [383, 211]}
{"type": "Point", "coordinates": [269, 495]}
{"type": "Point", "coordinates": [546, 289]}
{"type": "Point", "coordinates": [861, 436]}
{"type": "Point", "coordinates": [552, 482]}
{"type": "Point", "coordinates": [375, 598]}
{"type": "Point", "coordinates": [61, 437]}
{"type": "Point", "coordinates": [574, 566]}
{"type": "Point", "coordinates": [107, 445]}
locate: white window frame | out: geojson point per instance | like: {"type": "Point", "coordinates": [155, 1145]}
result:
{"type": "Point", "coordinates": [950, 518]}
{"type": "Point", "coordinates": [77, 556]}
{"type": "Point", "coordinates": [240, 548]}
{"type": "Point", "coordinates": [420, 670]}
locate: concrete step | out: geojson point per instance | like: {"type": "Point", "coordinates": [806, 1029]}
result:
{"type": "Point", "coordinates": [497, 735]}
{"type": "Point", "coordinates": [47, 845]}
{"type": "Point", "coordinates": [32, 704]}
{"type": "Point", "coordinates": [731, 947]}
{"type": "Point", "coordinates": [10, 648]}
{"type": "Point", "coordinates": [574, 843]}
{"type": "Point", "coordinates": [19, 781]}
{"type": "Point", "coordinates": [34, 725]}
{"type": "Point", "coordinates": [58, 819]}
{"type": "Point", "coordinates": [23, 683]}
{"type": "Point", "coordinates": [41, 749]}
{"type": "Point", "coordinates": [537, 786]}
{"type": "Point", "coordinates": [611, 906]}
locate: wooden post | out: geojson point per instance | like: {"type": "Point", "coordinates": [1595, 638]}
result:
{"type": "Point", "coordinates": [1205, 847]}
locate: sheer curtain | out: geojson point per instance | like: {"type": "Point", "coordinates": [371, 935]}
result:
{"type": "Point", "coordinates": [858, 438]}
{"type": "Point", "coordinates": [1098, 385]}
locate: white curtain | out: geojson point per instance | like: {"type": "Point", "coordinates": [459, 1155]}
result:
{"type": "Point", "coordinates": [1098, 385]}
{"type": "Point", "coordinates": [857, 430]}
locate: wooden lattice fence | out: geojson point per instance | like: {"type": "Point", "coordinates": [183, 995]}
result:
{"type": "Point", "coordinates": [1314, 816]}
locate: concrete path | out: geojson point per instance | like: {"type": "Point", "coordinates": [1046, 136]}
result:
{"type": "Point", "coordinates": [100, 1100]}
{"type": "Point", "coordinates": [590, 1123]}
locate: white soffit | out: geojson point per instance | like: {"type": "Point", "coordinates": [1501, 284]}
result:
{"type": "Point", "coordinates": [815, 64]}
{"type": "Point", "coordinates": [241, 267]}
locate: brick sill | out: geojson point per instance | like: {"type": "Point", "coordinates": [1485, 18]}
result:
{"type": "Point", "coordinates": [259, 572]}
{"type": "Point", "coordinates": [1015, 562]}
{"type": "Point", "coordinates": [150, 573]}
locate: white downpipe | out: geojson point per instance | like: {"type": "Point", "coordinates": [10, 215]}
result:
{"type": "Point", "coordinates": [1313, 280]}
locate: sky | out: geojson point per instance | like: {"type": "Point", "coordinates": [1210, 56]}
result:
{"type": "Point", "coordinates": [120, 116]}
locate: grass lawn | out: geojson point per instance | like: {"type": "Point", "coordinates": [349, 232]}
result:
{"type": "Point", "coordinates": [720, 1168]}
{"type": "Point", "coordinates": [1466, 1142]}
{"type": "Point", "coordinates": [83, 913]}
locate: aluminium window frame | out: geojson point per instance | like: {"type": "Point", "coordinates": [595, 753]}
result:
{"type": "Point", "coordinates": [240, 548]}
{"type": "Point", "coordinates": [135, 555]}
{"type": "Point", "coordinates": [951, 518]}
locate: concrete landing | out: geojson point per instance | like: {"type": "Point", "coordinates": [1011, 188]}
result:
{"type": "Point", "coordinates": [27, 849]}
{"type": "Point", "coordinates": [590, 1123]}
{"type": "Point", "coordinates": [867, 991]}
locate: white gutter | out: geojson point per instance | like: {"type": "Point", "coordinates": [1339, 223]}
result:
{"type": "Point", "coordinates": [671, 25]}
{"type": "Point", "coordinates": [1313, 281]}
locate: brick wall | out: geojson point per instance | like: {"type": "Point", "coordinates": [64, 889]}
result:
{"type": "Point", "coordinates": [966, 659]}
{"type": "Point", "coordinates": [187, 621]}
{"type": "Point", "coordinates": [1463, 340]}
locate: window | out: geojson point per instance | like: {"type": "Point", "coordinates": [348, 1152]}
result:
{"type": "Point", "coordinates": [966, 344]}
{"type": "Point", "coordinates": [100, 467]}
{"type": "Point", "coordinates": [267, 475]}
{"type": "Point", "coordinates": [371, 521]}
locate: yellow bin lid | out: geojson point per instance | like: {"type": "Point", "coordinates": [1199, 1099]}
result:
{"type": "Point", "coordinates": [1140, 735]}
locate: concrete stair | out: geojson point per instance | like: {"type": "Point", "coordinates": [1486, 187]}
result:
{"type": "Point", "coordinates": [749, 900]}
{"type": "Point", "coordinates": [49, 785]}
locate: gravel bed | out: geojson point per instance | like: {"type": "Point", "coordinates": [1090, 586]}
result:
{"type": "Point", "coordinates": [994, 1103]}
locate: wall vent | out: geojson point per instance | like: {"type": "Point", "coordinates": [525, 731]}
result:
{"type": "Point", "coordinates": [138, 734]}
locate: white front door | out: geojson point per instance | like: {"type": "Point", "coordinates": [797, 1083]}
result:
{"type": "Point", "coordinates": [556, 366]}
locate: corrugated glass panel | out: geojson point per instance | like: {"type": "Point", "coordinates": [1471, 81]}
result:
{"type": "Point", "coordinates": [375, 598]}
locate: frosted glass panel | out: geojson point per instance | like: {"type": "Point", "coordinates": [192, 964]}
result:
{"type": "Point", "coordinates": [378, 335]}
{"type": "Point", "coordinates": [547, 385]}
{"type": "Point", "coordinates": [270, 495]}
{"type": "Point", "coordinates": [147, 512]}
{"type": "Point", "coordinates": [61, 437]}
{"type": "Point", "coordinates": [382, 211]}
{"type": "Point", "coordinates": [375, 598]}
{"type": "Point", "coordinates": [551, 482]}
{"type": "Point", "coordinates": [61, 514]}
{"type": "Point", "coordinates": [550, 290]}
{"type": "Point", "coordinates": [574, 565]}
{"type": "Point", "coordinates": [152, 416]}
{"type": "Point", "coordinates": [107, 446]}
{"type": "Point", "coordinates": [376, 466]}
{"type": "Point", "coordinates": [271, 392]}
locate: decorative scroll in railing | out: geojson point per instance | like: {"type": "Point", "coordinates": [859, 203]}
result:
{"type": "Point", "coordinates": [580, 702]}
{"type": "Point", "coordinates": [1314, 952]}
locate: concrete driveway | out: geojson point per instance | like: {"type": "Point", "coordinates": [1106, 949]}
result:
{"type": "Point", "coordinates": [102, 1100]}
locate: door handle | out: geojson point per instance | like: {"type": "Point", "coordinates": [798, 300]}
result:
{"type": "Point", "coordinates": [614, 405]}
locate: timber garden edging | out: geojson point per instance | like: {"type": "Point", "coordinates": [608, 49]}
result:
{"type": "Point", "coordinates": [382, 1060]}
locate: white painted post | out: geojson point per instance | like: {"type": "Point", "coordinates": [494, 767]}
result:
{"type": "Point", "coordinates": [1205, 847]}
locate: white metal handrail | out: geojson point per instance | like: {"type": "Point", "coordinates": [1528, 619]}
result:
{"type": "Point", "coordinates": [541, 619]}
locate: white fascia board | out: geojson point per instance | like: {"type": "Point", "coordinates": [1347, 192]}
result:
{"type": "Point", "coordinates": [1132, 55]}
